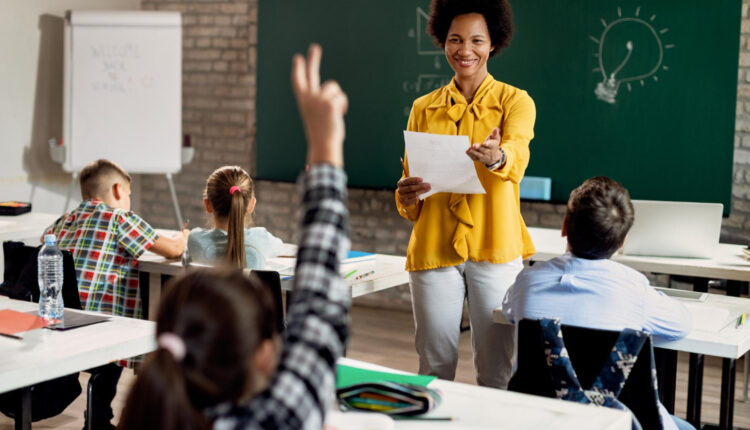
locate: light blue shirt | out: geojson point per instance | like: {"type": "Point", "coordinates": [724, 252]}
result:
{"type": "Point", "coordinates": [208, 246]}
{"type": "Point", "coordinates": [600, 294]}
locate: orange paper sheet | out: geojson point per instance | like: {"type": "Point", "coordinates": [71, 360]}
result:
{"type": "Point", "coordinates": [12, 322]}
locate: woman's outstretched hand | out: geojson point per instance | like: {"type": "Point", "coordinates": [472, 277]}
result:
{"type": "Point", "coordinates": [488, 152]}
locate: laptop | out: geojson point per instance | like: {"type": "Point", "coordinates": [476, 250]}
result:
{"type": "Point", "coordinates": [674, 229]}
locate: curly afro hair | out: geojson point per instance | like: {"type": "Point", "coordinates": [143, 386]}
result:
{"type": "Point", "coordinates": [497, 14]}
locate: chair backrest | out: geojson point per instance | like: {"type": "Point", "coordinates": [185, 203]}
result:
{"type": "Point", "coordinates": [273, 281]}
{"type": "Point", "coordinates": [588, 350]}
{"type": "Point", "coordinates": [20, 276]}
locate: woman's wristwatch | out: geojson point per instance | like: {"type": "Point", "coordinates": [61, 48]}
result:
{"type": "Point", "coordinates": [498, 163]}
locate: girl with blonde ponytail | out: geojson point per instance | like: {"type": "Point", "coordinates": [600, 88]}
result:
{"type": "Point", "coordinates": [230, 200]}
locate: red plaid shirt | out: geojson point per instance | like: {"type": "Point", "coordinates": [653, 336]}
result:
{"type": "Point", "coordinates": [105, 243]}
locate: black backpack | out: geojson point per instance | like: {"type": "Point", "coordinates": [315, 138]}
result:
{"type": "Point", "coordinates": [48, 398]}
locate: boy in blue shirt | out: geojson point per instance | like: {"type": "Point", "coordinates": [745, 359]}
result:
{"type": "Point", "coordinates": [583, 287]}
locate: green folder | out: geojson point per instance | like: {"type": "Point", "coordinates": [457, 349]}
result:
{"type": "Point", "coordinates": [348, 375]}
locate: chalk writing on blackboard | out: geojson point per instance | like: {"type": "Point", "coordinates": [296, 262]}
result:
{"type": "Point", "coordinates": [629, 49]}
{"type": "Point", "coordinates": [432, 78]}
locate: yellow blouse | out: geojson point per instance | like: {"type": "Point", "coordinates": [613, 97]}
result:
{"type": "Point", "coordinates": [451, 228]}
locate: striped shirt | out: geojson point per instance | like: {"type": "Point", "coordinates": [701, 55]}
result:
{"type": "Point", "coordinates": [317, 320]}
{"type": "Point", "coordinates": [105, 243]}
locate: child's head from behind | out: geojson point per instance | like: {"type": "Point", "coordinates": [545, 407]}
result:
{"type": "Point", "coordinates": [106, 181]}
{"type": "Point", "coordinates": [216, 333]}
{"type": "Point", "coordinates": [229, 198]}
{"type": "Point", "coordinates": [599, 216]}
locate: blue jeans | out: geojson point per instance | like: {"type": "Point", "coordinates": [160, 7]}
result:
{"type": "Point", "coordinates": [682, 424]}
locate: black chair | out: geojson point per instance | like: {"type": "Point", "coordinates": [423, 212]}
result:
{"type": "Point", "coordinates": [588, 349]}
{"type": "Point", "coordinates": [273, 281]}
{"type": "Point", "coordinates": [20, 282]}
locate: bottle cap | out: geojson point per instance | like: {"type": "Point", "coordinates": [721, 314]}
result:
{"type": "Point", "coordinates": [50, 239]}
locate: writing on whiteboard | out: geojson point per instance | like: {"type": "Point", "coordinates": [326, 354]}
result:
{"type": "Point", "coordinates": [118, 71]}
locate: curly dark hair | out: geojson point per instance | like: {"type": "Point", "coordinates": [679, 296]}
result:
{"type": "Point", "coordinates": [497, 14]}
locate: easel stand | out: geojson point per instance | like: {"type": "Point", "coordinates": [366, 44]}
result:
{"type": "Point", "coordinates": [176, 204]}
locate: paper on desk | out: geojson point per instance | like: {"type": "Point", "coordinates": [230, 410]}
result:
{"type": "Point", "coordinates": [441, 161]}
{"type": "Point", "coordinates": [283, 265]}
{"type": "Point", "coordinates": [708, 318]}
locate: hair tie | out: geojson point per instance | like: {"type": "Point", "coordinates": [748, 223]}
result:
{"type": "Point", "coordinates": [172, 343]}
{"type": "Point", "coordinates": [233, 189]}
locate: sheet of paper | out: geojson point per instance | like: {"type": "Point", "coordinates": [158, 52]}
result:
{"type": "Point", "coordinates": [12, 322]}
{"type": "Point", "coordinates": [441, 161]}
{"type": "Point", "coordinates": [283, 265]}
{"type": "Point", "coordinates": [288, 250]}
{"type": "Point", "coordinates": [708, 318]}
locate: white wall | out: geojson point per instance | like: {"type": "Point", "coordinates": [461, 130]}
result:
{"type": "Point", "coordinates": [31, 59]}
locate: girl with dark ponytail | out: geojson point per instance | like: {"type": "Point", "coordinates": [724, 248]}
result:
{"type": "Point", "coordinates": [230, 199]}
{"type": "Point", "coordinates": [204, 356]}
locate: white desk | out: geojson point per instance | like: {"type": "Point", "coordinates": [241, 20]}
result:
{"type": "Point", "coordinates": [43, 354]}
{"type": "Point", "coordinates": [474, 407]}
{"type": "Point", "coordinates": [730, 343]}
{"type": "Point", "coordinates": [23, 228]}
{"type": "Point", "coordinates": [389, 272]}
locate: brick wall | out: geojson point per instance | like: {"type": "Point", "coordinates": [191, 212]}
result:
{"type": "Point", "coordinates": [218, 97]}
{"type": "Point", "coordinates": [220, 40]}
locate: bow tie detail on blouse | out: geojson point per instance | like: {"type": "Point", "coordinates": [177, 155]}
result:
{"type": "Point", "coordinates": [457, 111]}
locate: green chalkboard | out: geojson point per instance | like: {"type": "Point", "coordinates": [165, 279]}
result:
{"type": "Point", "coordinates": [644, 92]}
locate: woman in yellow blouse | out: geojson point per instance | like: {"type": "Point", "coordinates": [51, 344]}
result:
{"type": "Point", "coordinates": [469, 246]}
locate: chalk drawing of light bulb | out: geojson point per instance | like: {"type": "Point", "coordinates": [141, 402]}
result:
{"type": "Point", "coordinates": [629, 49]}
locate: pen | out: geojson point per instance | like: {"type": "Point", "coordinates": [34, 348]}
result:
{"type": "Point", "coordinates": [364, 275]}
{"type": "Point", "coordinates": [350, 274]}
{"type": "Point", "coordinates": [404, 418]}
{"type": "Point", "coordinates": [12, 336]}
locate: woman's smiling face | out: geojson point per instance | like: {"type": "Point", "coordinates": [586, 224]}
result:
{"type": "Point", "coordinates": [468, 46]}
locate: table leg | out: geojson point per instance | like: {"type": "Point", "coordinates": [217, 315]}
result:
{"type": "Point", "coordinates": [695, 389]}
{"type": "Point", "coordinates": [154, 294]}
{"type": "Point", "coordinates": [700, 284]}
{"type": "Point", "coordinates": [666, 364]}
{"type": "Point", "coordinates": [23, 420]}
{"type": "Point", "coordinates": [726, 410]}
{"type": "Point", "coordinates": [735, 287]}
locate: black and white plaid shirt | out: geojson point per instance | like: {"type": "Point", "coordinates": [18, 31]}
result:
{"type": "Point", "coordinates": [317, 320]}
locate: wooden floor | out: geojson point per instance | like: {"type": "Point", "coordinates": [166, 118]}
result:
{"type": "Point", "coordinates": [385, 337]}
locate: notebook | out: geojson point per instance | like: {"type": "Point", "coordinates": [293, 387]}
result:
{"type": "Point", "coordinates": [674, 229]}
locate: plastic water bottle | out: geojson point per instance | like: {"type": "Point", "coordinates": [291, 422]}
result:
{"type": "Point", "coordinates": [50, 276]}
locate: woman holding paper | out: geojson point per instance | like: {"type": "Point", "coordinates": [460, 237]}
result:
{"type": "Point", "coordinates": [469, 245]}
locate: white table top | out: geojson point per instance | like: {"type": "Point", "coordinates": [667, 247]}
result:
{"type": "Point", "coordinates": [26, 226]}
{"type": "Point", "coordinates": [389, 272]}
{"type": "Point", "coordinates": [729, 342]}
{"type": "Point", "coordinates": [474, 407]}
{"type": "Point", "coordinates": [728, 262]}
{"type": "Point", "coordinates": [44, 354]}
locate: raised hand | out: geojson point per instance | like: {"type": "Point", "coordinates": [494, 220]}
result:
{"type": "Point", "coordinates": [322, 108]}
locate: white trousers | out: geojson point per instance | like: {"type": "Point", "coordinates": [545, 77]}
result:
{"type": "Point", "coordinates": [437, 301]}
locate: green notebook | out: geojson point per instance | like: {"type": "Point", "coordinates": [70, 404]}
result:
{"type": "Point", "coordinates": [348, 375]}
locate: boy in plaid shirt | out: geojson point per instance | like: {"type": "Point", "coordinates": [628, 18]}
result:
{"type": "Point", "coordinates": [106, 238]}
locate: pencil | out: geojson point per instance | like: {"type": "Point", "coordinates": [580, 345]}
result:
{"type": "Point", "coordinates": [403, 166]}
{"type": "Point", "coordinates": [350, 274]}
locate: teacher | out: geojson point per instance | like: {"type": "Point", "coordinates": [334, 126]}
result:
{"type": "Point", "coordinates": [469, 246]}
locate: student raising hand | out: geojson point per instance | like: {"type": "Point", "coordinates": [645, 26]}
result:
{"type": "Point", "coordinates": [322, 108]}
